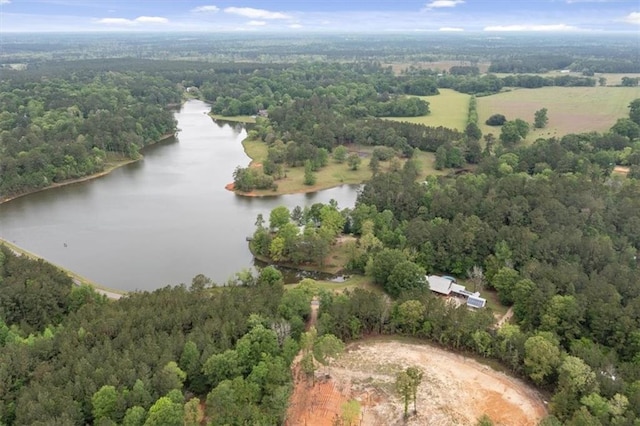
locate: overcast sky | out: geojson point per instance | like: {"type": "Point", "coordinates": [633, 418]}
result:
{"type": "Point", "coordinates": [319, 15]}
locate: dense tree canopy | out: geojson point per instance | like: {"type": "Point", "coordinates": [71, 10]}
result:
{"type": "Point", "coordinates": [138, 357]}
{"type": "Point", "coordinates": [65, 125]}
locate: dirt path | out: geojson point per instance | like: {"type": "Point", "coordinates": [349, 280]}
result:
{"type": "Point", "coordinates": [505, 318]}
{"type": "Point", "coordinates": [455, 390]}
{"type": "Point", "coordinates": [315, 306]}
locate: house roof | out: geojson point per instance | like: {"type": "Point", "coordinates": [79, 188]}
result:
{"type": "Point", "coordinates": [460, 289]}
{"type": "Point", "coordinates": [439, 284]}
{"type": "Point", "coordinates": [476, 302]}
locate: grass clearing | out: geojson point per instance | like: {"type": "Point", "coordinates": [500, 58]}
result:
{"type": "Point", "coordinates": [441, 65]}
{"type": "Point", "coordinates": [334, 174]}
{"type": "Point", "coordinates": [448, 109]}
{"type": "Point", "coordinates": [570, 109]}
{"type": "Point", "coordinates": [493, 302]}
{"type": "Point", "coordinates": [255, 149]}
{"type": "Point", "coordinates": [359, 281]}
{"type": "Point", "coordinates": [234, 118]}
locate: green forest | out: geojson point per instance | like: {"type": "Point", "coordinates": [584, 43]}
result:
{"type": "Point", "coordinates": [69, 356]}
{"type": "Point", "coordinates": [66, 120]}
{"type": "Point", "coordinates": [67, 124]}
{"type": "Point", "coordinates": [546, 227]}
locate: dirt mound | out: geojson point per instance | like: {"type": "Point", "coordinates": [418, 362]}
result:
{"type": "Point", "coordinates": [455, 389]}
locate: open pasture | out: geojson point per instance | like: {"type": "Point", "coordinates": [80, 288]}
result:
{"type": "Point", "coordinates": [570, 109]}
{"type": "Point", "coordinates": [448, 109]}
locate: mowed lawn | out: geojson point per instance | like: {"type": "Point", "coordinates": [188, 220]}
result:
{"type": "Point", "coordinates": [448, 109]}
{"type": "Point", "coordinates": [570, 109]}
{"type": "Point", "coordinates": [234, 118]}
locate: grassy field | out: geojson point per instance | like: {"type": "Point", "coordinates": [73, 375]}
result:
{"type": "Point", "coordinates": [612, 79]}
{"type": "Point", "coordinates": [234, 118]}
{"type": "Point", "coordinates": [352, 282]}
{"type": "Point", "coordinates": [442, 65]}
{"type": "Point", "coordinates": [570, 109]}
{"type": "Point", "coordinates": [448, 109]}
{"type": "Point", "coordinates": [493, 302]}
{"type": "Point", "coordinates": [334, 174]}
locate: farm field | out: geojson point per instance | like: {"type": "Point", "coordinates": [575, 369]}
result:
{"type": "Point", "coordinates": [455, 389]}
{"type": "Point", "coordinates": [613, 79]}
{"type": "Point", "coordinates": [443, 65]}
{"type": "Point", "coordinates": [448, 109]}
{"type": "Point", "coordinates": [570, 109]}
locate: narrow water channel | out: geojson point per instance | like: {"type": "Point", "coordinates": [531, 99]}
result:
{"type": "Point", "coordinates": [159, 221]}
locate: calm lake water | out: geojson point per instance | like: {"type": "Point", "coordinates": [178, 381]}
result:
{"type": "Point", "coordinates": [159, 221]}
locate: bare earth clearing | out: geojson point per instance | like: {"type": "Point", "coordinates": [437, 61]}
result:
{"type": "Point", "coordinates": [455, 390]}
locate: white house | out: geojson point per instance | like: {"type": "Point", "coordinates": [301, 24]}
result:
{"type": "Point", "coordinates": [447, 286]}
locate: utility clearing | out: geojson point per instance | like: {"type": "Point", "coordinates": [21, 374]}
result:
{"type": "Point", "coordinates": [455, 390]}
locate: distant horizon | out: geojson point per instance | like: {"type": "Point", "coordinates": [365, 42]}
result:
{"type": "Point", "coordinates": [274, 32]}
{"type": "Point", "coordinates": [328, 16]}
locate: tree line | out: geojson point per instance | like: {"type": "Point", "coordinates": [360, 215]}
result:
{"type": "Point", "coordinates": [68, 125]}
{"type": "Point", "coordinates": [175, 356]}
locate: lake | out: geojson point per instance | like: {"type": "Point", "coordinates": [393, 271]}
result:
{"type": "Point", "coordinates": [159, 221]}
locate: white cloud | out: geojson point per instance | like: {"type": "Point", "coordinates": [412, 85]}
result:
{"type": "Point", "coordinates": [208, 8]}
{"type": "Point", "coordinates": [257, 23]}
{"type": "Point", "coordinates": [451, 29]}
{"type": "Point", "coordinates": [5, 1]}
{"type": "Point", "coordinates": [632, 18]}
{"type": "Point", "coordinates": [138, 20]}
{"type": "Point", "coordinates": [151, 20]}
{"type": "Point", "coordinates": [115, 21]}
{"type": "Point", "coordinates": [443, 3]}
{"type": "Point", "coordinates": [249, 12]}
{"type": "Point", "coordinates": [295, 26]}
{"type": "Point", "coordinates": [551, 27]}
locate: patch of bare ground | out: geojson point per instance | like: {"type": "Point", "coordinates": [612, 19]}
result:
{"type": "Point", "coordinates": [455, 390]}
{"type": "Point", "coordinates": [621, 170]}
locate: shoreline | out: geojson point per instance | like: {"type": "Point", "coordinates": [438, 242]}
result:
{"type": "Point", "coordinates": [78, 279]}
{"type": "Point", "coordinates": [303, 189]}
{"type": "Point", "coordinates": [230, 187]}
{"type": "Point", "coordinates": [108, 169]}
{"type": "Point", "coordinates": [253, 162]}
{"type": "Point", "coordinates": [87, 178]}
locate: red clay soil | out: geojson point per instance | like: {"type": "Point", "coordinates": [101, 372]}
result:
{"type": "Point", "coordinates": [314, 404]}
{"type": "Point", "coordinates": [231, 187]}
{"type": "Point", "coordinates": [455, 391]}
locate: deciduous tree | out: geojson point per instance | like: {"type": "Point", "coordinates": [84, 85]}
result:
{"type": "Point", "coordinates": [354, 161]}
{"type": "Point", "coordinates": [540, 118]}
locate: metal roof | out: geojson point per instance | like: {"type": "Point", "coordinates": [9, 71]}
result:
{"type": "Point", "coordinates": [459, 289]}
{"type": "Point", "coordinates": [476, 302]}
{"type": "Point", "coordinates": [439, 284]}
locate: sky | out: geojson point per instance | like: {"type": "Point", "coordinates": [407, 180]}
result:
{"type": "Point", "coordinates": [320, 15]}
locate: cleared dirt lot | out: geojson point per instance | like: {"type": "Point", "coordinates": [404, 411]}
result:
{"type": "Point", "coordinates": [455, 390]}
